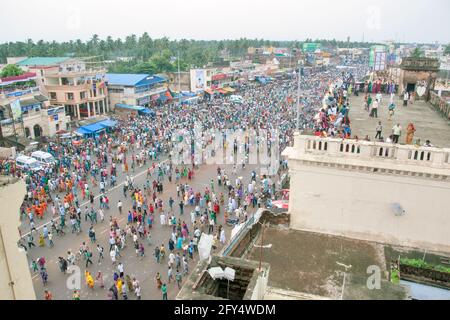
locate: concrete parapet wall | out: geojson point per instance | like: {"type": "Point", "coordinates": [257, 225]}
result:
{"type": "Point", "coordinates": [356, 189]}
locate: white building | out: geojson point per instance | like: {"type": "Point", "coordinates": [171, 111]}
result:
{"type": "Point", "coordinates": [395, 194]}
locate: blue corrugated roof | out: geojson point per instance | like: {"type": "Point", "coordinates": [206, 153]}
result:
{"type": "Point", "coordinates": [125, 79]}
{"type": "Point", "coordinates": [42, 61]}
{"type": "Point", "coordinates": [150, 80]}
{"type": "Point", "coordinates": [132, 79]}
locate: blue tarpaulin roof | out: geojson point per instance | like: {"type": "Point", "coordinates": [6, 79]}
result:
{"type": "Point", "coordinates": [97, 127]}
{"type": "Point", "coordinates": [83, 131]}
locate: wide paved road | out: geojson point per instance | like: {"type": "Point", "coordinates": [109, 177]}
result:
{"type": "Point", "coordinates": [143, 269]}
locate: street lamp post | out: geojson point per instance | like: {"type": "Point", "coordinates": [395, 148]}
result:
{"type": "Point", "coordinates": [298, 95]}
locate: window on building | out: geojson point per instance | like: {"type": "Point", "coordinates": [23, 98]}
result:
{"type": "Point", "coordinates": [69, 96]}
{"type": "Point", "coordinates": [57, 127]}
{"type": "Point", "coordinates": [52, 95]}
{"type": "Point", "coordinates": [83, 95]}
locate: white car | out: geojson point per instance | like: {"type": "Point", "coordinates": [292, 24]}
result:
{"type": "Point", "coordinates": [28, 163]}
{"type": "Point", "coordinates": [44, 158]}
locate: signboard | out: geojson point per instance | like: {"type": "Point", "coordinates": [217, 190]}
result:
{"type": "Point", "coordinates": [143, 101]}
{"type": "Point", "coordinates": [31, 107]}
{"type": "Point", "coordinates": [310, 46]}
{"type": "Point", "coordinates": [18, 93]}
{"type": "Point", "coordinates": [198, 80]}
{"type": "Point", "coordinates": [16, 109]}
{"type": "Point", "coordinates": [54, 111]}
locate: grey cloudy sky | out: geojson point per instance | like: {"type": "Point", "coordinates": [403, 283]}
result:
{"type": "Point", "coordinates": [401, 20]}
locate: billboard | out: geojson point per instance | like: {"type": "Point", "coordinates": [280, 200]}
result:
{"type": "Point", "coordinates": [16, 109]}
{"type": "Point", "coordinates": [310, 46]}
{"type": "Point", "coordinates": [198, 80]}
{"type": "Point", "coordinates": [380, 61]}
{"type": "Point", "coordinates": [376, 57]}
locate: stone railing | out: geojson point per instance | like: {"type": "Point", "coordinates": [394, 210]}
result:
{"type": "Point", "coordinates": [396, 153]}
{"type": "Point", "coordinates": [440, 104]}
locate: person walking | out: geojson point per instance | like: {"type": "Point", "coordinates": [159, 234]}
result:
{"type": "Point", "coordinates": [405, 98]}
{"type": "Point", "coordinates": [100, 251]}
{"type": "Point", "coordinates": [396, 133]}
{"type": "Point", "coordinates": [169, 273]}
{"type": "Point", "coordinates": [379, 130]}
{"type": "Point", "coordinates": [88, 255]}
{"type": "Point", "coordinates": [164, 291]}
{"type": "Point", "coordinates": [374, 111]}
{"type": "Point", "coordinates": [178, 278]}
{"type": "Point", "coordinates": [119, 206]}
{"type": "Point", "coordinates": [391, 109]}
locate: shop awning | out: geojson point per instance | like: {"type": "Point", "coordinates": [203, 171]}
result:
{"type": "Point", "coordinates": [91, 128]}
{"type": "Point", "coordinates": [222, 91]}
{"type": "Point", "coordinates": [228, 89]}
{"type": "Point", "coordinates": [209, 91]}
{"type": "Point", "coordinates": [83, 131]}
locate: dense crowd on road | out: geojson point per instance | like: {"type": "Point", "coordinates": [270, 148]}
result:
{"type": "Point", "coordinates": [73, 195]}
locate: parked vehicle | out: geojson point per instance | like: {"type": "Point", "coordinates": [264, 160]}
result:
{"type": "Point", "coordinates": [44, 158]}
{"type": "Point", "coordinates": [28, 163]}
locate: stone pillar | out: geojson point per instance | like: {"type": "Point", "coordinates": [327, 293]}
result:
{"type": "Point", "coordinates": [78, 112]}
{"type": "Point", "coordinates": [88, 109]}
{"type": "Point", "coordinates": [403, 152]}
{"type": "Point", "coordinates": [94, 105]}
{"type": "Point", "coordinates": [333, 146]}
{"type": "Point", "coordinates": [438, 157]}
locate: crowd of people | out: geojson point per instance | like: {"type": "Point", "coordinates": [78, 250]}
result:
{"type": "Point", "coordinates": [73, 195]}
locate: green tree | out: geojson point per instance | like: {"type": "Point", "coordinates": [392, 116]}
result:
{"type": "Point", "coordinates": [417, 53]}
{"type": "Point", "coordinates": [11, 70]}
{"type": "Point", "coordinates": [447, 50]}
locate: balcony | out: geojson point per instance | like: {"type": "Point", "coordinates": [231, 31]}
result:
{"type": "Point", "coordinates": [78, 73]}
{"type": "Point", "coordinates": [366, 153]}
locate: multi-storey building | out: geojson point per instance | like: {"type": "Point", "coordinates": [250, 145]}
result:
{"type": "Point", "coordinates": [25, 111]}
{"type": "Point", "coordinates": [72, 83]}
{"type": "Point", "coordinates": [135, 89]}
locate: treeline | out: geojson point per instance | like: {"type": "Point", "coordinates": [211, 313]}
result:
{"type": "Point", "coordinates": [151, 55]}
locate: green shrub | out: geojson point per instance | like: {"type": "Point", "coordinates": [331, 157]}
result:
{"type": "Point", "coordinates": [423, 265]}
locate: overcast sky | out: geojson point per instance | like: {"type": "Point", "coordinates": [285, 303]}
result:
{"type": "Point", "coordinates": [401, 20]}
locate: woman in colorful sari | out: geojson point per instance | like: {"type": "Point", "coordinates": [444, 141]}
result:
{"type": "Point", "coordinates": [89, 279]}
{"type": "Point", "coordinates": [410, 133]}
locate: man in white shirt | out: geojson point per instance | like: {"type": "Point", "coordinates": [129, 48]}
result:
{"type": "Point", "coordinates": [396, 132]}
{"type": "Point", "coordinates": [374, 111]}
{"type": "Point", "coordinates": [119, 206]}
{"type": "Point", "coordinates": [120, 268]}
{"type": "Point", "coordinates": [405, 99]}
